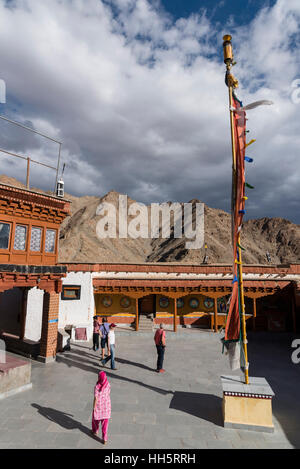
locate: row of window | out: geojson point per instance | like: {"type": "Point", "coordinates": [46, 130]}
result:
{"type": "Point", "coordinates": [21, 233]}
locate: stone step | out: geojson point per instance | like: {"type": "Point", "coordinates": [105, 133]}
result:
{"type": "Point", "coordinates": [145, 324]}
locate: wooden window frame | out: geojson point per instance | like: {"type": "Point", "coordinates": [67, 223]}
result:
{"type": "Point", "coordinates": [41, 242]}
{"type": "Point", "coordinates": [71, 287]}
{"type": "Point", "coordinates": [55, 241]}
{"type": "Point", "coordinates": [25, 250]}
{"type": "Point", "coordinates": [7, 250]}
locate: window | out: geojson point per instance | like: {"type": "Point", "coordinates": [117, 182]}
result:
{"type": "Point", "coordinates": [71, 292]}
{"type": "Point", "coordinates": [20, 238]}
{"type": "Point", "coordinates": [4, 235]}
{"type": "Point", "coordinates": [50, 241]}
{"type": "Point", "coordinates": [36, 239]}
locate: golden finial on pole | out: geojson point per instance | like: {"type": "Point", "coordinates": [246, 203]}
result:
{"type": "Point", "coordinates": [227, 50]}
{"type": "Point", "coordinates": [231, 81]}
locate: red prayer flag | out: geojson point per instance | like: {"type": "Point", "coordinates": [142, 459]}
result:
{"type": "Point", "coordinates": [232, 329]}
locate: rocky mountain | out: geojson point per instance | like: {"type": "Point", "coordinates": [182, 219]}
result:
{"type": "Point", "coordinates": [79, 241]}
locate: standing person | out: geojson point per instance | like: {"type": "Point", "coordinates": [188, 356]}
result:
{"type": "Point", "coordinates": [111, 348]}
{"type": "Point", "coordinates": [160, 342]}
{"type": "Point", "coordinates": [96, 333]}
{"type": "Point", "coordinates": [104, 330]}
{"type": "Point", "coordinates": [102, 406]}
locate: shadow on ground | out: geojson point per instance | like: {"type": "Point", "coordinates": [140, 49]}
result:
{"type": "Point", "coordinates": [117, 359]}
{"type": "Point", "coordinates": [270, 358]}
{"type": "Point", "coordinates": [138, 365]}
{"type": "Point", "coordinates": [204, 406]}
{"type": "Point", "coordinates": [62, 419]}
{"type": "Point", "coordinates": [93, 368]}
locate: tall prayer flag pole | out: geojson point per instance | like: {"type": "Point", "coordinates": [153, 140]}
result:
{"type": "Point", "coordinates": [244, 406]}
{"type": "Point", "coordinates": [237, 202]}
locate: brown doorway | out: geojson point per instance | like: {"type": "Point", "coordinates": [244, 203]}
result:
{"type": "Point", "coordinates": [147, 305]}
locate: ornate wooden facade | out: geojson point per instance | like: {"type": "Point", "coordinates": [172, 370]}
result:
{"type": "Point", "coordinates": [29, 226]}
{"type": "Point", "coordinates": [29, 234]}
{"type": "Point", "coordinates": [176, 289]}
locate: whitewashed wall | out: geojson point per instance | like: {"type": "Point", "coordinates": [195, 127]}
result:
{"type": "Point", "coordinates": [78, 312]}
{"type": "Point", "coordinates": [34, 316]}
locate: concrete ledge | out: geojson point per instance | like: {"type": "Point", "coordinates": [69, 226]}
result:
{"type": "Point", "coordinates": [12, 392]}
{"type": "Point", "coordinates": [14, 374]}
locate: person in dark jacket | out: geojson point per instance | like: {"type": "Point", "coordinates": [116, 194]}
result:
{"type": "Point", "coordinates": [104, 330]}
{"type": "Point", "coordinates": [96, 328]}
{"type": "Point", "coordinates": [160, 342]}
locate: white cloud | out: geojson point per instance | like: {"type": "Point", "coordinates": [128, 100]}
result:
{"type": "Point", "coordinates": [140, 101]}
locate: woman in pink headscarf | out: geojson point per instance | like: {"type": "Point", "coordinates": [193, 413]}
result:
{"type": "Point", "coordinates": [102, 406]}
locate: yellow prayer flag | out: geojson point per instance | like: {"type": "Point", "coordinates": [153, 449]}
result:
{"type": "Point", "coordinates": [250, 143]}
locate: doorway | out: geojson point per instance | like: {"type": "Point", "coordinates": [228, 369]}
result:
{"type": "Point", "coordinates": [11, 303]}
{"type": "Point", "coordinates": [147, 305]}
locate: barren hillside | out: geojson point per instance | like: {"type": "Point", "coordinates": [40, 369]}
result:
{"type": "Point", "coordinates": [79, 241]}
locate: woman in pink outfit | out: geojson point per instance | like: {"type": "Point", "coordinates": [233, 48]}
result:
{"type": "Point", "coordinates": [102, 406]}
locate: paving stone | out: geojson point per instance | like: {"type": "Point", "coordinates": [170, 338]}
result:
{"type": "Point", "coordinates": [132, 428]}
{"type": "Point", "coordinates": [244, 445]}
{"type": "Point", "coordinates": [42, 440]}
{"type": "Point", "coordinates": [141, 442]}
{"type": "Point", "coordinates": [90, 444]}
{"type": "Point", "coordinates": [120, 441]}
{"type": "Point", "coordinates": [194, 443]}
{"type": "Point", "coordinates": [178, 431]}
{"type": "Point", "coordinates": [3, 421]}
{"type": "Point", "coordinates": [145, 418]}
{"type": "Point", "coordinates": [251, 436]}
{"type": "Point", "coordinates": [273, 445]}
{"type": "Point", "coordinates": [64, 440]}
{"type": "Point", "coordinates": [218, 444]}
{"type": "Point", "coordinates": [6, 436]}
{"type": "Point", "coordinates": [227, 434]}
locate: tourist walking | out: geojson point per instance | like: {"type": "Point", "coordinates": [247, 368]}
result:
{"type": "Point", "coordinates": [160, 342]}
{"type": "Point", "coordinates": [111, 347]}
{"type": "Point", "coordinates": [104, 330]}
{"type": "Point", "coordinates": [96, 331]}
{"type": "Point", "coordinates": [101, 407]}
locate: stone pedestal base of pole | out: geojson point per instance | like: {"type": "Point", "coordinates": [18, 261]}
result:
{"type": "Point", "coordinates": [247, 406]}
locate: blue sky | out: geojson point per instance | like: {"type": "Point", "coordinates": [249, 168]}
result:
{"type": "Point", "coordinates": [242, 11]}
{"type": "Point", "coordinates": [137, 97]}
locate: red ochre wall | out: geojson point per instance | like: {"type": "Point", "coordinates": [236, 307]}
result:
{"type": "Point", "coordinates": [185, 315]}
{"type": "Point", "coordinates": [115, 312]}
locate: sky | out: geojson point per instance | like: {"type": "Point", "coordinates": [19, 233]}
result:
{"type": "Point", "coordinates": [135, 91]}
{"type": "Point", "coordinates": [241, 11]}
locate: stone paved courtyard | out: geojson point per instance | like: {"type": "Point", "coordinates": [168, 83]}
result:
{"type": "Point", "coordinates": [176, 410]}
